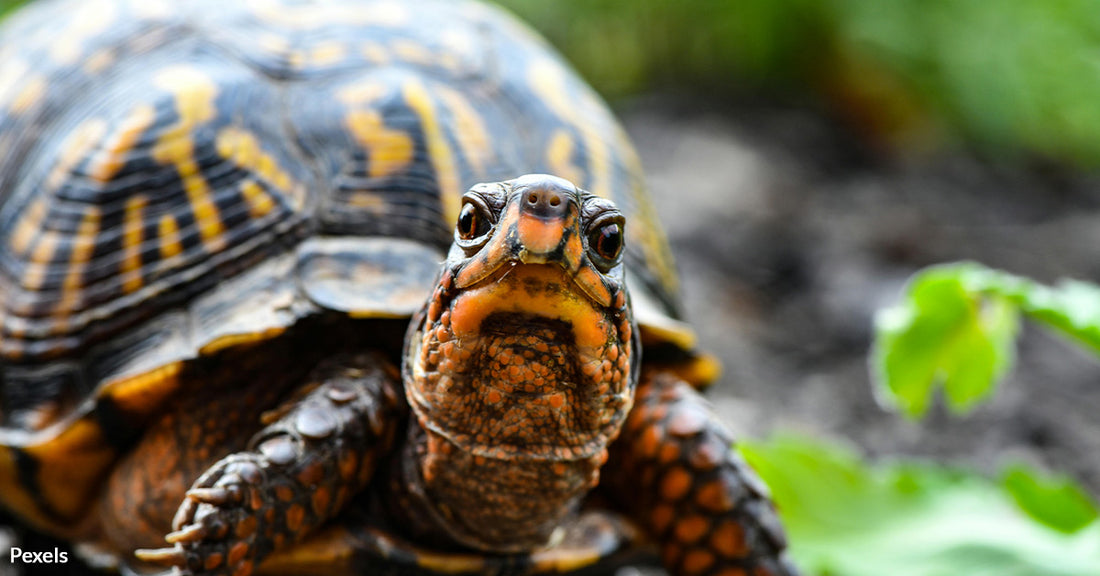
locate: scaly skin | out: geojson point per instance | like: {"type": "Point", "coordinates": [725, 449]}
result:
{"type": "Point", "coordinates": [673, 468]}
{"type": "Point", "coordinates": [296, 474]}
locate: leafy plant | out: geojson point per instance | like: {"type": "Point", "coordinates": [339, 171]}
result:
{"type": "Point", "coordinates": [956, 329]}
{"type": "Point", "coordinates": [845, 518]}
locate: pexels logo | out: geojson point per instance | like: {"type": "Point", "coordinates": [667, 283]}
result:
{"type": "Point", "coordinates": [27, 557]}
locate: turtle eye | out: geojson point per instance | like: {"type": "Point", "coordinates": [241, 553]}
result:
{"type": "Point", "coordinates": [607, 240]}
{"type": "Point", "coordinates": [473, 221]}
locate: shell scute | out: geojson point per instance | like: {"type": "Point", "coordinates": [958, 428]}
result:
{"type": "Point", "coordinates": [140, 206]}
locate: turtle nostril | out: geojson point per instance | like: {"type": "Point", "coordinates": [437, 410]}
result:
{"type": "Point", "coordinates": [544, 203]}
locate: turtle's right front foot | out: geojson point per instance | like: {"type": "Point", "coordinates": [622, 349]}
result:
{"type": "Point", "coordinates": [299, 472]}
{"type": "Point", "coordinates": [225, 523]}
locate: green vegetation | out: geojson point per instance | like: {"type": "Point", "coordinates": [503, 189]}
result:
{"type": "Point", "coordinates": [956, 328]}
{"type": "Point", "coordinates": [845, 518]}
{"type": "Point", "coordinates": [1016, 77]}
{"type": "Point", "coordinates": [9, 5]}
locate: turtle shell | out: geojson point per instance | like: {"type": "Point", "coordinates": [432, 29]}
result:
{"type": "Point", "coordinates": [178, 178]}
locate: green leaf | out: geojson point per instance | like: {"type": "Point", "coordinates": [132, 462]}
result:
{"type": "Point", "coordinates": [942, 333]}
{"type": "Point", "coordinates": [1056, 502]}
{"type": "Point", "coordinates": [1072, 308]}
{"type": "Point", "coordinates": [845, 518]}
{"type": "Point", "coordinates": [956, 327]}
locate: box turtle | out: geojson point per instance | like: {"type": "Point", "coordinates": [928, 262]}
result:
{"type": "Point", "coordinates": [286, 288]}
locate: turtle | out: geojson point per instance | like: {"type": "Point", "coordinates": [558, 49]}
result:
{"type": "Point", "coordinates": [342, 287]}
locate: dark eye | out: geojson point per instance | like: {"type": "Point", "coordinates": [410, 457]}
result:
{"type": "Point", "coordinates": [472, 222]}
{"type": "Point", "coordinates": [607, 240]}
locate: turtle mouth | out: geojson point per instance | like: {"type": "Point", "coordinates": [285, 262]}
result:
{"type": "Point", "coordinates": [538, 292]}
{"type": "Point", "coordinates": [582, 280]}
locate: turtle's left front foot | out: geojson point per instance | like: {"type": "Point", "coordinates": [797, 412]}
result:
{"type": "Point", "coordinates": [298, 473]}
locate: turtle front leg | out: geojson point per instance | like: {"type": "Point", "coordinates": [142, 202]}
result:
{"type": "Point", "coordinates": [321, 449]}
{"type": "Point", "coordinates": [673, 468]}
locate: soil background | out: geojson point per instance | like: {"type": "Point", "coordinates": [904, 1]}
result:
{"type": "Point", "coordinates": [790, 234]}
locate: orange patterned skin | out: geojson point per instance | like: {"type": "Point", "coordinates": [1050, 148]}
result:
{"type": "Point", "coordinates": [520, 370]}
{"type": "Point", "coordinates": [674, 470]}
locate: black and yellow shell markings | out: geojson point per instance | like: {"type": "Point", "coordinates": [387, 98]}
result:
{"type": "Point", "coordinates": [551, 82]}
{"type": "Point", "coordinates": [136, 205]}
{"type": "Point", "coordinates": [40, 259]}
{"type": "Point", "coordinates": [82, 251]}
{"type": "Point", "coordinates": [243, 149]}
{"type": "Point", "coordinates": [421, 142]}
{"type": "Point", "coordinates": [133, 234]}
{"type": "Point", "coordinates": [469, 129]}
{"type": "Point", "coordinates": [168, 231]}
{"type": "Point", "coordinates": [116, 149]}
{"type": "Point", "coordinates": [28, 228]}
{"type": "Point", "coordinates": [80, 143]}
{"type": "Point", "coordinates": [439, 149]}
{"type": "Point", "coordinates": [390, 151]}
{"type": "Point", "coordinates": [194, 93]}
{"type": "Point", "coordinates": [559, 156]}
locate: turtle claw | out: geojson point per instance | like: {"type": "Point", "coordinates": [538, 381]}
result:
{"type": "Point", "coordinates": [215, 531]}
{"type": "Point", "coordinates": [186, 510]}
{"type": "Point", "coordinates": [219, 496]}
{"type": "Point", "coordinates": [192, 533]}
{"type": "Point", "coordinates": [173, 556]}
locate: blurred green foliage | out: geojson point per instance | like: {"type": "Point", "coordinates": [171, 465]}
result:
{"type": "Point", "coordinates": [956, 328]}
{"type": "Point", "coordinates": [1012, 77]}
{"type": "Point", "coordinates": [942, 334]}
{"type": "Point", "coordinates": [9, 5]}
{"type": "Point", "coordinates": [846, 518]}
{"type": "Point", "coordinates": [1056, 502]}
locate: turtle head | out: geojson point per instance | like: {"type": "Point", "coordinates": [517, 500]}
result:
{"type": "Point", "coordinates": [527, 347]}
